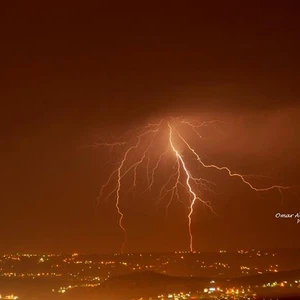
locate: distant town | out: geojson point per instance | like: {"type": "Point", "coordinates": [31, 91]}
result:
{"type": "Point", "coordinates": [243, 274]}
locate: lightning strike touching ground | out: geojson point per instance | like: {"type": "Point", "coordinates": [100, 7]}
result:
{"type": "Point", "coordinates": [188, 178]}
{"type": "Point", "coordinates": [139, 153]}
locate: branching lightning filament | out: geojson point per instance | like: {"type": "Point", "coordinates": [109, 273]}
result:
{"type": "Point", "coordinates": [171, 136]}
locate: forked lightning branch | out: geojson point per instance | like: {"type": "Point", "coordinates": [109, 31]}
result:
{"type": "Point", "coordinates": [178, 138]}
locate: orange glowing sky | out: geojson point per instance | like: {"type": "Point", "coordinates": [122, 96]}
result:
{"type": "Point", "coordinates": [72, 73]}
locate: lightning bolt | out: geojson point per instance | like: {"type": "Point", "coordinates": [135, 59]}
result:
{"type": "Point", "coordinates": [120, 176]}
{"type": "Point", "coordinates": [230, 173]}
{"type": "Point", "coordinates": [137, 151]}
{"type": "Point", "coordinates": [188, 184]}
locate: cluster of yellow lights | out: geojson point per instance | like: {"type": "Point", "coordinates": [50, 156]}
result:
{"type": "Point", "coordinates": [282, 284]}
{"type": "Point", "coordinates": [31, 275]}
{"type": "Point", "coordinates": [175, 296]}
{"type": "Point", "coordinates": [63, 290]}
{"type": "Point", "coordinates": [9, 297]}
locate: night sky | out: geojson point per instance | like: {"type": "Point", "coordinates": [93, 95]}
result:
{"type": "Point", "coordinates": [72, 71]}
